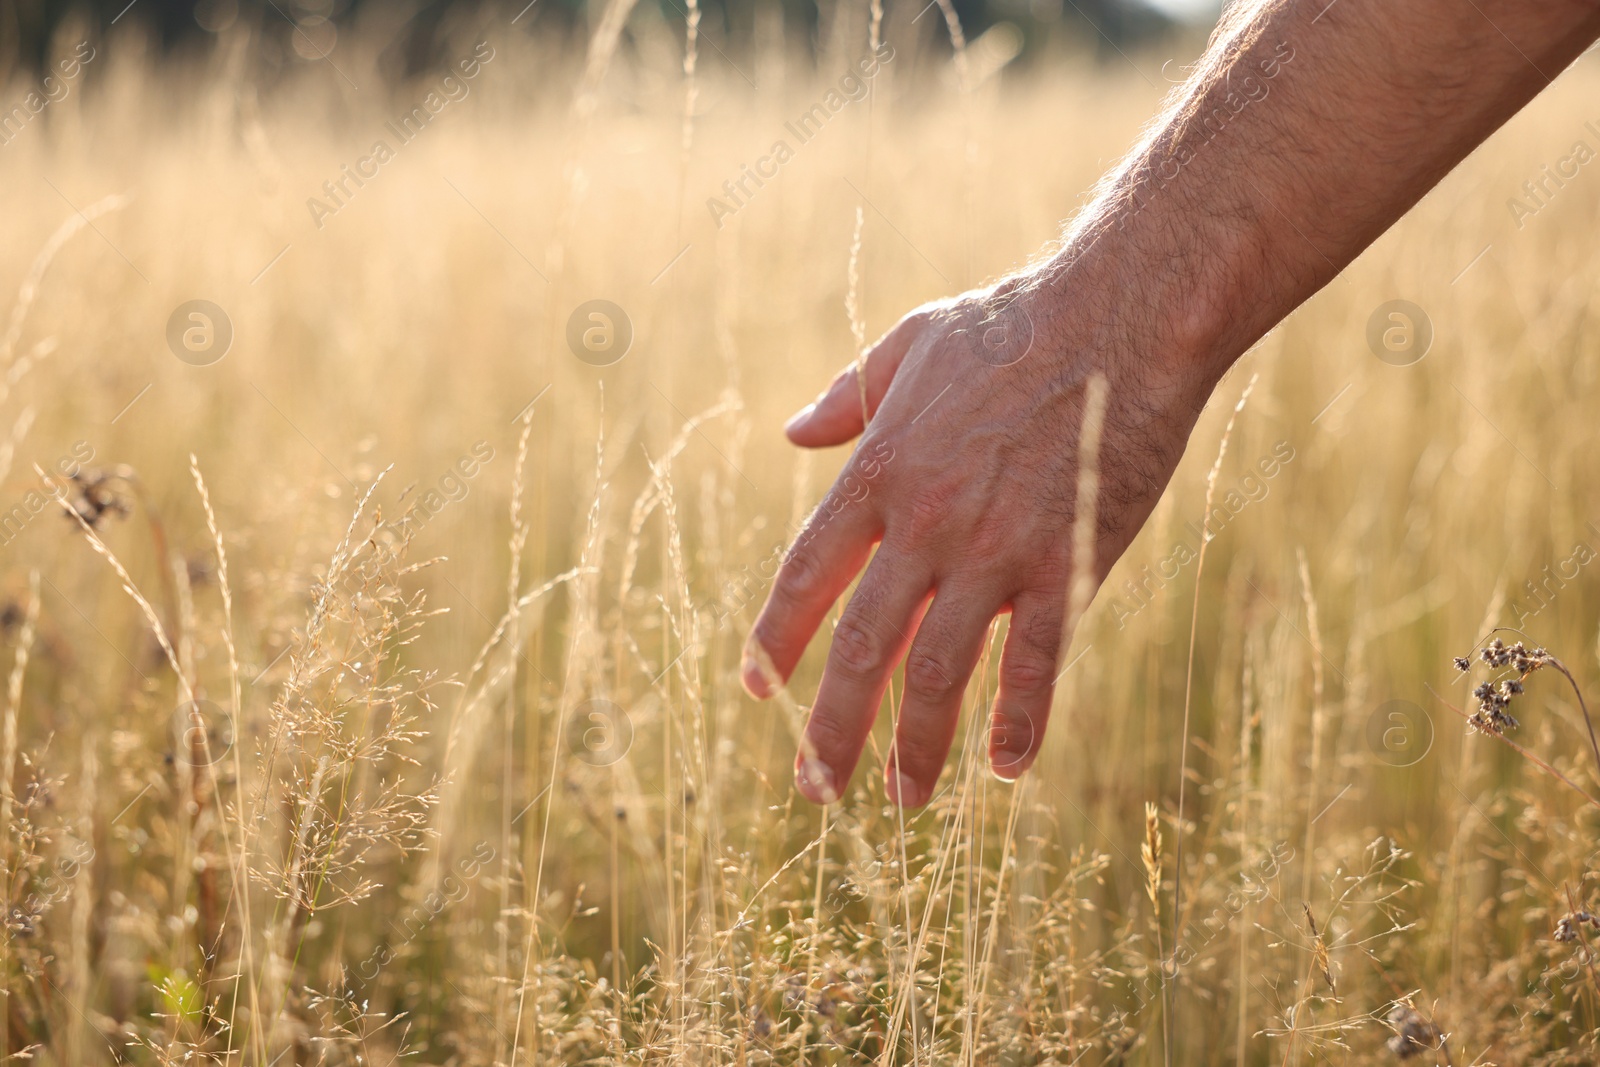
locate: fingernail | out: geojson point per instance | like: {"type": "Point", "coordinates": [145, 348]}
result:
{"type": "Point", "coordinates": [800, 417]}
{"type": "Point", "coordinates": [1008, 766]}
{"type": "Point", "coordinates": [815, 779]}
{"type": "Point", "coordinates": [1011, 748]}
{"type": "Point", "coordinates": [751, 674]}
{"type": "Point", "coordinates": [904, 790]}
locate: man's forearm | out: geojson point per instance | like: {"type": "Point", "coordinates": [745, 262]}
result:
{"type": "Point", "coordinates": [1307, 130]}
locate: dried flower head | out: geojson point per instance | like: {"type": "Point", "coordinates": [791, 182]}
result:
{"type": "Point", "coordinates": [95, 493]}
{"type": "Point", "coordinates": [1413, 1034]}
{"type": "Point", "coordinates": [1567, 928]}
{"type": "Point", "coordinates": [1492, 716]}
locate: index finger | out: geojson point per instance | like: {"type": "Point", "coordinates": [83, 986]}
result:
{"type": "Point", "coordinates": [829, 552]}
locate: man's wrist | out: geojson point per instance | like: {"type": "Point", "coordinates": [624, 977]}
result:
{"type": "Point", "coordinates": [1154, 282]}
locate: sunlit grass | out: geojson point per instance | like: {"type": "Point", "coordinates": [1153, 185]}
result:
{"type": "Point", "coordinates": [473, 779]}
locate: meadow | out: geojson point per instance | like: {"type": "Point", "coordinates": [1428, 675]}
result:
{"type": "Point", "coordinates": [371, 610]}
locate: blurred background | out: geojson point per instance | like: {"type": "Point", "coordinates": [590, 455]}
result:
{"type": "Point", "coordinates": [409, 32]}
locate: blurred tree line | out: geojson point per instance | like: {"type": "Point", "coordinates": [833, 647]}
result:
{"type": "Point", "coordinates": [415, 27]}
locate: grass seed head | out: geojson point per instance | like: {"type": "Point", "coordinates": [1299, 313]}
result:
{"type": "Point", "coordinates": [1151, 851]}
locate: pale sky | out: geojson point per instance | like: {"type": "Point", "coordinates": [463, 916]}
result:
{"type": "Point", "coordinates": [1201, 11]}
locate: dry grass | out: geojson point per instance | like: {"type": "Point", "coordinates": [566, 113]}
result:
{"type": "Point", "coordinates": [480, 785]}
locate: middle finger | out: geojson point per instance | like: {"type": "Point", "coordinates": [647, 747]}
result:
{"type": "Point", "coordinates": [872, 635]}
{"type": "Point", "coordinates": [946, 649]}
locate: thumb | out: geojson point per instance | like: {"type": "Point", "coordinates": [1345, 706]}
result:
{"type": "Point", "coordinates": [836, 416]}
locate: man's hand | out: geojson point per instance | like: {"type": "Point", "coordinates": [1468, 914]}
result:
{"type": "Point", "coordinates": [966, 479]}
{"type": "Point", "coordinates": [1306, 130]}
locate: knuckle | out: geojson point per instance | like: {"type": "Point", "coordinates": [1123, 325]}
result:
{"type": "Point", "coordinates": [849, 488]}
{"type": "Point", "coordinates": [829, 506]}
{"type": "Point", "coordinates": [874, 453]}
{"type": "Point", "coordinates": [931, 674]}
{"type": "Point", "coordinates": [990, 541]}
{"type": "Point", "coordinates": [1027, 671]}
{"type": "Point", "coordinates": [917, 751]}
{"type": "Point", "coordinates": [828, 735]}
{"type": "Point", "coordinates": [928, 507]}
{"type": "Point", "coordinates": [1039, 633]}
{"type": "Point", "coordinates": [857, 650]}
{"type": "Point", "coordinates": [1050, 574]}
{"type": "Point", "coordinates": [802, 576]}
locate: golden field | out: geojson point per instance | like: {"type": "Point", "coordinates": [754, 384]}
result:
{"type": "Point", "coordinates": [416, 734]}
